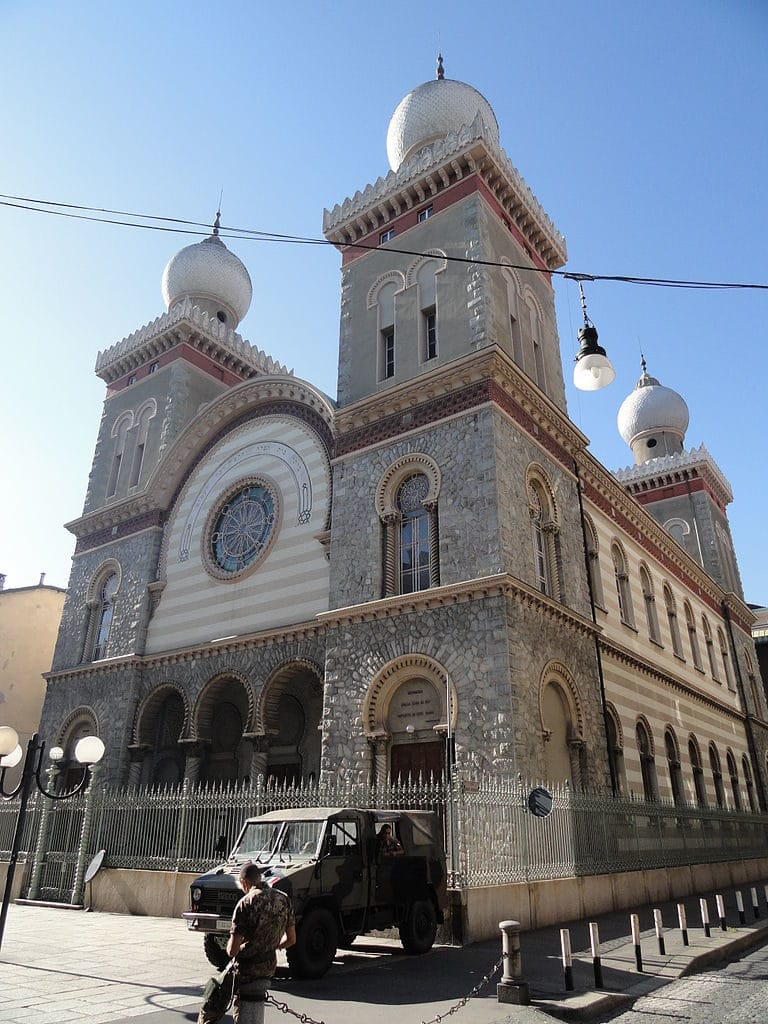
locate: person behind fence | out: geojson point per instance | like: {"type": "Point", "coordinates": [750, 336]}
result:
{"type": "Point", "coordinates": [388, 845]}
{"type": "Point", "coordinates": [262, 923]}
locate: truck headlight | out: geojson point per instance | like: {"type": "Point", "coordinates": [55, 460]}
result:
{"type": "Point", "coordinates": [197, 894]}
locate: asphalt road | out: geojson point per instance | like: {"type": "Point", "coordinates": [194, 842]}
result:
{"type": "Point", "coordinates": [734, 994]}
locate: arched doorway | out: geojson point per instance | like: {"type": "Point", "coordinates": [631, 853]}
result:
{"type": "Point", "coordinates": [158, 732]}
{"type": "Point", "coordinates": [222, 717]}
{"type": "Point", "coordinates": [290, 713]}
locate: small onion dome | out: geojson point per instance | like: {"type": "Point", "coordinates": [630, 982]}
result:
{"type": "Point", "coordinates": [210, 276]}
{"type": "Point", "coordinates": [653, 419]}
{"type": "Point", "coordinates": [430, 112]}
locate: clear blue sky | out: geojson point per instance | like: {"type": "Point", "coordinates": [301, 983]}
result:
{"type": "Point", "coordinates": [640, 126]}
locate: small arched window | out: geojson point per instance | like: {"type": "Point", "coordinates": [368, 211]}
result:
{"type": "Point", "coordinates": [544, 536]}
{"type": "Point", "coordinates": [514, 319]}
{"type": "Point", "coordinates": [593, 563]}
{"type": "Point", "coordinates": [143, 417]}
{"type": "Point", "coordinates": [675, 769]}
{"type": "Point", "coordinates": [746, 769]}
{"type": "Point", "coordinates": [697, 770]}
{"type": "Point", "coordinates": [534, 320]}
{"type": "Point", "coordinates": [717, 775]}
{"type": "Point", "coordinates": [615, 750]}
{"type": "Point", "coordinates": [726, 659]}
{"type": "Point", "coordinates": [105, 611]}
{"type": "Point", "coordinates": [647, 762]}
{"type": "Point", "coordinates": [120, 429]}
{"type": "Point", "coordinates": [623, 591]}
{"type": "Point", "coordinates": [426, 281]}
{"type": "Point", "coordinates": [385, 305]}
{"type": "Point", "coordinates": [708, 643]}
{"type": "Point", "coordinates": [649, 600]}
{"type": "Point", "coordinates": [674, 628]}
{"type": "Point", "coordinates": [406, 503]}
{"type": "Point", "coordinates": [693, 639]}
{"type": "Point", "coordinates": [733, 773]}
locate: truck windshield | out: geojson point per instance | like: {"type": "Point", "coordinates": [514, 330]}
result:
{"type": "Point", "coordinates": [262, 840]}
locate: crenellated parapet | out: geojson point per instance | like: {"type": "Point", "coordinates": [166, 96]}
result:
{"type": "Point", "coordinates": [436, 167]}
{"type": "Point", "coordinates": [186, 323]}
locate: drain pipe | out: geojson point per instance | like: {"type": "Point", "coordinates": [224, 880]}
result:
{"type": "Point", "coordinates": [598, 656]}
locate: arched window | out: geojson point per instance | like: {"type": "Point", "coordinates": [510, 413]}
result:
{"type": "Point", "coordinates": [616, 751]}
{"type": "Point", "coordinates": [100, 603]}
{"type": "Point", "coordinates": [534, 320]}
{"type": "Point", "coordinates": [697, 769]}
{"type": "Point", "coordinates": [746, 769]}
{"type": "Point", "coordinates": [733, 773]}
{"type": "Point", "coordinates": [754, 690]}
{"type": "Point", "coordinates": [69, 771]}
{"type": "Point", "coordinates": [647, 762]}
{"type": "Point", "coordinates": [385, 321]}
{"type": "Point", "coordinates": [544, 535]}
{"type": "Point", "coordinates": [514, 319]}
{"type": "Point", "coordinates": [710, 648]}
{"type": "Point", "coordinates": [593, 563]}
{"type": "Point", "coordinates": [623, 591]}
{"type": "Point", "coordinates": [649, 600]}
{"type": "Point", "coordinates": [693, 639]}
{"type": "Point", "coordinates": [717, 775]}
{"type": "Point", "coordinates": [674, 628]}
{"type": "Point", "coordinates": [406, 503]}
{"type": "Point", "coordinates": [143, 417]}
{"type": "Point", "coordinates": [415, 535]}
{"type": "Point", "coordinates": [675, 769]}
{"type": "Point", "coordinates": [120, 429]}
{"type": "Point", "coordinates": [427, 289]}
{"type": "Point", "coordinates": [727, 668]}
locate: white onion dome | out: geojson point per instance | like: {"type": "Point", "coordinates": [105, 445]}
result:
{"type": "Point", "coordinates": [212, 277]}
{"type": "Point", "coordinates": [431, 111]}
{"type": "Point", "coordinates": [651, 414]}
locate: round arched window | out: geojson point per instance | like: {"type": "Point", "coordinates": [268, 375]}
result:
{"type": "Point", "coordinates": [242, 529]}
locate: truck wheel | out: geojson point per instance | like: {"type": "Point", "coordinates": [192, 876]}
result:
{"type": "Point", "coordinates": [316, 939]}
{"type": "Point", "coordinates": [214, 946]}
{"type": "Point", "coordinates": [417, 932]}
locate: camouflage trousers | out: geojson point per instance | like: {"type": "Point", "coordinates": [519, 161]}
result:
{"type": "Point", "coordinates": [248, 1005]}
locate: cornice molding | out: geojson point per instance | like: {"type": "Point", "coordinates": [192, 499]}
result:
{"type": "Point", "coordinates": [498, 585]}
{"type": "Point", "coordinates": [185, 323]}
{"type": "Point", "coordinates": [619, 653]}
{"type": "Point", "coordinates": [435, 167]}
{"type": "Point", "coordinates": [668, 470]}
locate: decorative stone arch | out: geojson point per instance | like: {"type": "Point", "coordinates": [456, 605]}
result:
{"type": "Point", "coordinates": [430, 256]}
{"type": "Point", "coordinates": [399, 471]}
{"type": "Point", "coordinates": [99, 613]}
{"type": "Point", "coordinates": [150, 406]}
{"type": "Point", "coordinates": [392, 276]}
{"type": "Point", "coordinates": [643, 721]}
{"type": "Point", "coordinates": [562, 725]}
{"type": "Point", "coordinates": [288, 719]}
{"type": "Point", "coordinates": [616, 746]}
{"type": "Point", "coordinates": [545, 528]}
{"type": "Point", "coordinates": [677, 523]}
{"type": "Point", "coordinates": [79, 723]}
{"type": "Point", "coordinates": [511, 275]}
{"type": "Point", "coordinates": [157, 756]}
{"type": "Point", "coordinates": [397, 578]}
{"type": "Point", "coordinates": [647, 759]}
{"type": "Point", "coordinates": [380, 700]}
{"type": "Point", "coordinates": [123, 423]}
{"type": "Point", "coordinates": [529, 297]}
{"type": "Point", "coordinates": [220, 729]}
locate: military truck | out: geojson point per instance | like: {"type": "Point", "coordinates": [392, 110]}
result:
{"type": "Point", "coordinates": [331, 864]}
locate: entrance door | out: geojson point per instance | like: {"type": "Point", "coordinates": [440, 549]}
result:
{"type": "Point", "coordinates": [417, 759]}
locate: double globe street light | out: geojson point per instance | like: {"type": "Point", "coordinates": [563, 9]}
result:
{"type": "Point", "coordinates": [88, 752]}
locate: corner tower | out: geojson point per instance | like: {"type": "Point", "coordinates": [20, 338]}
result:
{"type": "Point", "coordinates": [683, 490]}
{"type": "Point", "coordinates": [418, 286]}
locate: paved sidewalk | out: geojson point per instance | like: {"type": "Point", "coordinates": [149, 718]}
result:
{"type": "Point", "coordinates": [60, 966]}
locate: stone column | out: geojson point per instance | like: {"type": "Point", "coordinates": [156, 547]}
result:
{"type": "Point", "coordinates": [434, 542]}
{"type": "Point", "coordinates": [390, 521]}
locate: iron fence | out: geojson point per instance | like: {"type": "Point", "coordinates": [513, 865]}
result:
{"type": "Point", "coordinates": [491, 834]}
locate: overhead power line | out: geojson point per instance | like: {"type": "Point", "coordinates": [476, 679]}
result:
{"type": "Point", "coordinates": [199, 228]}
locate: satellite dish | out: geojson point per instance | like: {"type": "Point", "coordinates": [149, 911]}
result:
{"type": "Point", "coordinates": [94, 866]}
{"type": "Point", "coordinates": [540, 802]}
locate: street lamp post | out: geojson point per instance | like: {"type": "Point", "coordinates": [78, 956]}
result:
{"type": "Point", "coordinates": [88, 752]}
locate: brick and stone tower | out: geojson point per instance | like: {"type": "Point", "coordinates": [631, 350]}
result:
{"type": "Point", "coordinates": [456, 548]}
{"type": "Point", "coordinates": [683, 490]}
{"type": "Point", "coordinates": [158, 379]}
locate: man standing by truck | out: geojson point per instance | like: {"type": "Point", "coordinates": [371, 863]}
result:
{"type": "Point", "coordinates": [262, 922]}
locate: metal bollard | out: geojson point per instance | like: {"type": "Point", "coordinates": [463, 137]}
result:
{"type": "Point", "coordinates": [565, 952]}
{"type": "Point", "coordinates": [705, 916]}
{"type": "Point", "coordinates": [721, 912]}
{"type": "Point", "coordinates": [594, 941]}
{"type": "Point", "coordinates": [683, 923]}
{"type": "Point", "coordinates": [659, 925]}
{"type": "Point", "coordinates": [740, 907]}
{"type": "Point", "coordinates": [634, 921]}
{"type": "Point", "coordinates": [512, 988]}
{"type": "Point", "coordinates": [755, 902]}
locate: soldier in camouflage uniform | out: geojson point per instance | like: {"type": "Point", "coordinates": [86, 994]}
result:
{"type": "Point", "coordinates": [262, 923]}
